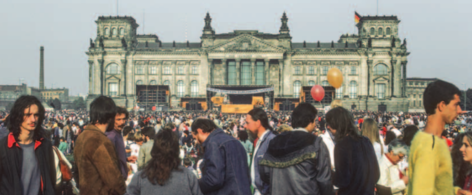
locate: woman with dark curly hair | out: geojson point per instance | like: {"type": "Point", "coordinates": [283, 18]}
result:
{"type": "Point", "coordinates": [459, 166]}
{"type": "Point", "coordinates": [164, 174]}
{"type": "Point", "coordinates": [466, 150]}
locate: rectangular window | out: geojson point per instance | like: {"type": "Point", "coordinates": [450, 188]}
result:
{"type": "Point", "coordinates": [353, 70]}
{"type": "Point", "coordinates": [139, 70]}
{"type": "Point", "coordinates": [411, 83]}
{"type": "Point", "coordinates": [232, 73]}
{"type": "Point", "coordinates": [180, 70]}
{"type": "Point", "coordinates": [339, 93]}
{"type": "Point", "coordinates": [153, 70]}
{"type": "Point", "coordinates": [246, 74]}
{"type": "Point", "coordinates": [166, 69]}
{"type": "Point", "coordinates": [311, 70]}
{"type": "Point", "coordinates": [297, 69]}
{"type": "Point", "coordinates": [260, 73]}
{"type": "Point", "coordinates": [112, 89]}
{"type": "Point", "coordinates": [194, 69]}
{"type": "Point", "coordinates": [324, 70]}
{"type": "Point", "coordinates": [380, 90]}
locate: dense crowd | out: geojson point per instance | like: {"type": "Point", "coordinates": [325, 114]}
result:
{"type": "Point", "coordinates": [108, 150]}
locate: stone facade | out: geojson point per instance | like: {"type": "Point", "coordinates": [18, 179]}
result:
{"type": "Point", "coordinates": [373, 62]}
{"type": "Point", "coordinates": [415, 89]}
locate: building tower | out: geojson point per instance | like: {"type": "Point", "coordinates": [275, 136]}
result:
{"type": "Point", "coordinates": [41, 68]}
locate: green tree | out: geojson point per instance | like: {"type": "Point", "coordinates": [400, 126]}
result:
{"type": "Point", "coordinates": [79, 103]}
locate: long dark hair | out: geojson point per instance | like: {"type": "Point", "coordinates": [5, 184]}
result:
{"type": "Point", "coordinates": [17, 114]}
{"type": "Point", "coordinates": [342, 121]}
{"type": "Point", "coordinates": [165, 157]}
{"type": "Point", "coordinates": [460, 169]}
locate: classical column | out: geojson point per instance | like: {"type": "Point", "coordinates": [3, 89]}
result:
{"type": "Point", "coordinates": [404, 77]}
{"type": "Point", "coordinates": [91, 80]}
{"type": "Point", "coordinates": [159, 79]}
{"type": "Point", "coordinates": [253, 78]}
{"type": "Point", "coordinates": [398, 79]}
{"type": "Point", "coordinates": [238, 71]}
{"type": "Point", "coordinates": [102, 76]}
{"type": "Point", "coordinates": [266, 71]}
{"type": "Point", "coordinates": [210, 75]}
{"type": "Point", "coordinates": [304, 82]}
{"type": "Point", "coordinates": [225, 71]}
{"type": "Point", "coordinates": [281, 73]}
{"type": "Point", "coordinates": [393, 85]}
{"type": "Point", "coordinates": [174, 72]}
{"type": "Point", "coordinates": [187, 77]}
{"type": "Point", "coordinates": [369, 72]}
{"type": "Point", "coordinates": [123, 62]}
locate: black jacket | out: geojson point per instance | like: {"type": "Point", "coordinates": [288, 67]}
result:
{"type": "Point", "coordinates": [11, 159]}
{"type": "Point", "coordinates": [296, 163]}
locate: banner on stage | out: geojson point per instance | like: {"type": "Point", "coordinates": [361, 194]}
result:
{"type": "Point", "coordinates": [242, 92]}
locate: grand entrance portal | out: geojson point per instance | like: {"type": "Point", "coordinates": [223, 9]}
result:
{"type": "Point", "coordinates": [149, 96]}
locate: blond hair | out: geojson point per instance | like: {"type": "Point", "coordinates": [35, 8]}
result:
{"type": "Point", "coordinates": [371, 131]}
{"type": "Point", "coordinates": [283, 128]}
{"type": "Point", "coordinates": [336, 103]}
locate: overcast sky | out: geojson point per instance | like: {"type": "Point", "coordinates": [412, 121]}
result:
{"type": "Point", "coordinates": [438, 32]}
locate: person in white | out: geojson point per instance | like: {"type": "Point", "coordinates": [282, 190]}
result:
{"type": "Point", "coordinates": [390, 174]}
{"type": "Point", "coordinates": [396, 131]}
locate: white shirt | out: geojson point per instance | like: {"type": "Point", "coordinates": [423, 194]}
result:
{"type": "Point", "coordinates": [134, 149]}
{"type": "Point", "coordinates": [253, 174]}
{"type": "Point", "coordinates": [396, 131]}
{"type": "Point", "coordinates": [390, 176]}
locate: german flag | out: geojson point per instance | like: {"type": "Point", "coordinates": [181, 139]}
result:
{"type": "Point", "coordinates": [357, 17]}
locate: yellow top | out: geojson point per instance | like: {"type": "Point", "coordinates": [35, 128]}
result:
{"type": "Point", "coordinates": [430, 166]}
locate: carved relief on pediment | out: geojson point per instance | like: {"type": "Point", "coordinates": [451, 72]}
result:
{"type": "Point", "coordinates": [246, 43]}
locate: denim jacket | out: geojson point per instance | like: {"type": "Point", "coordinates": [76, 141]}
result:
{"type": "Point", "coordinates": [225, 170]}
{"type": "Point", "coordinates": [264, 145]}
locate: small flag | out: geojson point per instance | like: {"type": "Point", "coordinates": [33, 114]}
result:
{"type": "Point", "coordinates": [357, 17]}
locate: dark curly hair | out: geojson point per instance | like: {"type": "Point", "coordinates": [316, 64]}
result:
{"type": "Point", "coordinates": [342, 121]}
{"type": "Point", "coordinates": [17, 114]}
{"type": "Point", "coordinates": [460, 169]}
{"type": "Point", "coordinates": [165, 157]}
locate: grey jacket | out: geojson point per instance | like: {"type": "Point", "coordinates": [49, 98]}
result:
{"type": "Point", "coordinates": [145, 154]}
{"type": "Point", "coordinates": [181, 182]}
{"type": "Point", "coordinates": [297, 163]}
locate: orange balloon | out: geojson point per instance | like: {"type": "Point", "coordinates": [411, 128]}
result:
{"type": "Point", "coordinates": [335, 77]}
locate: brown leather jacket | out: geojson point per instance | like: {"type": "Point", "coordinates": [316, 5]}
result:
{"type": "Point", "coordinates": [97, 164]}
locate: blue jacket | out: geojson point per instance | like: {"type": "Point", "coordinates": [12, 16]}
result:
{"type": "Point", "coordinates": [264, 145]}
{"type": "Point", "coordinates": [225, 170]}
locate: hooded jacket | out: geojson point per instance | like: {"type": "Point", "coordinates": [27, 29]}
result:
{"type": "Point", "coordinates": [297, 162]}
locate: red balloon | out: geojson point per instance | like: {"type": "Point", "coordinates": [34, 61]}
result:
{"type": "Point", "coordinates": [317, 92]}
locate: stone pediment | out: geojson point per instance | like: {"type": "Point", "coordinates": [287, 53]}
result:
{"type": "Point", "coordinates": [246, 43]}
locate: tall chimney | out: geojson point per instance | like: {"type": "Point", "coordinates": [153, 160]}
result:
{"type": "Point", "coordinates": [41, 68]}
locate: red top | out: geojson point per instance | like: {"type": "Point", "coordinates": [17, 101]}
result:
{"type": "Point", "coordinates": [468, 184]}
{"type": "Point", "coordinates": [448, 141]}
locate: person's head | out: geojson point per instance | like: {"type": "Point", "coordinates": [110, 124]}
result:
{"type": "Point", "coordinates": [397, 150]}
{"type": "Point", "coordinates": [201, 128]}
{"type": "Point", "coordinates": [283, 128]}
{"type": "Point", "coordinates": [148, 133]}
{"type": "Point", "coordinates": [371, 130]}
{"type": "Point", "coordinates": [102, 111]}
{"type": "Point", "coordinates": [138, 138]}
{"type": "Point", "coordinates": [26, 116]}
{"type": "Point", "coordinates": [127, 130]}
{"type": "Point", "coordinates": [443, 99]}
{"type": "Point", "coordinates": [187, 162]}
{"type": "Point", "coordinates": [164, 157]}
{"type": "Point", "coordinates": [243, 136]}
{"type": "Point", "coordinates": [409, 133]}
{"type": "Point", "coordinates": [120, 118]}
{"type": "Point", "coordinates": [341, 123]}
{"type": "Point", "coordinates": [466, 147]}
{"type": "Point", "coordinates": [304, 116]}
{"type": "Point", "coordinates": [61, 139]}
{"type": "Point", "coordinates": [460, 166]}
{"type": "Point", "coordinates": [389, 136]}
{"type": "Point", "coordinates": [257, 121]}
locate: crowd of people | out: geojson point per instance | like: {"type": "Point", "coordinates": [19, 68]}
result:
{"type": "Point", "coordinates": [108, 150]}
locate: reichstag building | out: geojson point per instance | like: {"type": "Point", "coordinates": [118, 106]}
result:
{"type": "Point", "coordinates": [141, 70]}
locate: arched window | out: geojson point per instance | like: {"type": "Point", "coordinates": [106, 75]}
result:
{"type": "Point", "coordinates": [180, 88]}
{"type": "Point", "coordinates": [114, 33]}
{"type": "Point", "coordinates": [113, 69]}
{"type": "Point", "coordinates": [153, 82]}
{"type": "Point", "coordinates": [311, 70]}
{"type": "Point", "coordinates": [122, 31]}
{"type": "Point", "coordinates": [380, 69]}
{"type": "Point", "coordinates": [194, 89]}
{"type": "Point", "coordinates": [311, 83]}
{"type": "Point", "coordinates": [107, 31]}
{"type": "Point", "coordinates": [167, 82]}
{"type": "Point", "coordinates": [297, 69]}
{"type": "Point", "coordinates": [353, 89]}
{"type": "Point", "coordinates": [139, 82]}
{"type": "Point", "coordinates": [389, 31]}
{"type": "Point", "coordinates": [339, 93]}
{"type": "Point", "coordinates": [372, 31]}
{"type": "Point", "coordinates": [381, 31]}
{"type": "Point", "coordinates": [297, 85]}
{"type": "Point", "coordinates": [325, 83]}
